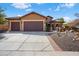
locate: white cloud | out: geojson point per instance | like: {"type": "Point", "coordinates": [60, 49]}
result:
{"type": "Point", "coordinates": [57, 9]}
{"type": "Point", "coordinates": [19, 15]}
{"type": "Point", "coordinates": [65, 5]}
{"type": "Point", "coordinates": [21, 5]}
{"type": "Point", "coordinates": [28, 9]}
{"type": "Point", "coordinates": [69, 5]}
{"type": "Point", "coordinates": [50, 9]}
{"type": "Point", "coordinates": [67, 19]}
{"type": "Point", "coordinates": [39, 3]}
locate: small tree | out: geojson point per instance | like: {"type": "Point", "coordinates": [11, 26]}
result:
{"type": "Point", "coordinates": [61, 20]}
{"type": "Point", "coordinates": [2, 16]}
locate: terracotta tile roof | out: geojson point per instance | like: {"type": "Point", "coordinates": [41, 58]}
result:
{"type": "Point", "coordinates": [18, 18]}
{"type": "Point", "coordinates": [34, 13]}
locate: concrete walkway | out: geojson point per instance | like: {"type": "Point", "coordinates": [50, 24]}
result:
{"type": "Point", "coordinates": [28, 44]}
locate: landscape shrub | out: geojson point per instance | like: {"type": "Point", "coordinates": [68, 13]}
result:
{"type": "Point", "coordinates": [47, 27]}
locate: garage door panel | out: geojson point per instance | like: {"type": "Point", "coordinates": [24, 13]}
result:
{"type": "Point", "coordinates": [33, 26]}
{"type": "Point", "coordinates": [15, 26]}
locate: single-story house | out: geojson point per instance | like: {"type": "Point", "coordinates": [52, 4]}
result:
{"type": "Point", "coordinates": [29, 22]}
{"type": "Point", "coordinates": [74, 24]}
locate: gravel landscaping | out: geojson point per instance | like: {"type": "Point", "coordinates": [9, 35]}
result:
{"type": "Point", "coordinates": [65, 41]}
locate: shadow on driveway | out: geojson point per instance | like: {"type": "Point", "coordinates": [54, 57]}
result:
{"type": "Point", "coordinates": [1, 36]}
{"type": "Point", "coordinates": [31, 33]}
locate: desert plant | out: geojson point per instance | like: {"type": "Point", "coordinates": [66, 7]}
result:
{"type": "Point", "coordinates": [2, 16]}
{"type": "Point", "coordinates": [61, 20]}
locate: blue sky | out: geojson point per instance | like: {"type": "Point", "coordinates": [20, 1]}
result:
{"type": "Point", "coordinates": [56, 10]}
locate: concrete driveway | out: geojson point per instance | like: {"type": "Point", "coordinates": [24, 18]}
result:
{"type": "Point", "coordinates": [25, 44]}
{"type": "Point", "coordinates": [28, 44]}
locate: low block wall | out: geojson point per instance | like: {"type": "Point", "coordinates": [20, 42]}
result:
{"type": "Point", "coordinates": [4, 27]}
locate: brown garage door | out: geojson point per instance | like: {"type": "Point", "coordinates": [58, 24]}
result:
{"type": "Point", "coordinates": [33, 26]}
{"type": "Point", "coordinates": [15, 26]}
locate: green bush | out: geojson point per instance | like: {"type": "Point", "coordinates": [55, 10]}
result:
{"type": "Point", "coordinates": [47, 27]}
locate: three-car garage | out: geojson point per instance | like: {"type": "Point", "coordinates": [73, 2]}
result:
{"type": "Point", "coordinates": [28, 26]}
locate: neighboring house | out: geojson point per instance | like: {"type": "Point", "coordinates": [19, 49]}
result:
{"type": "Point", "coordinates": [74, 24]}
{"type": "Point", "coordinates": [29, 22]}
